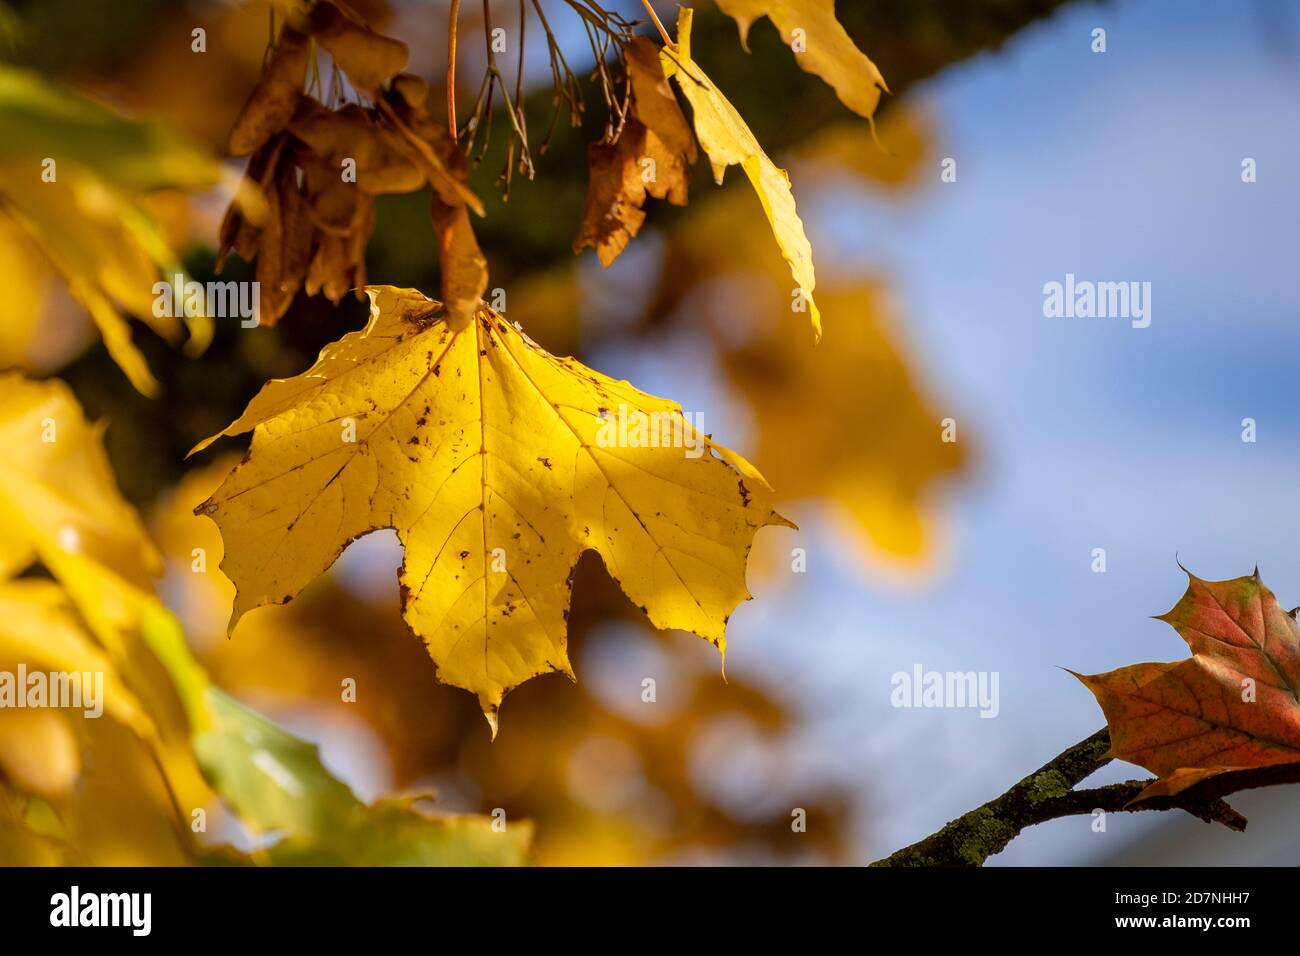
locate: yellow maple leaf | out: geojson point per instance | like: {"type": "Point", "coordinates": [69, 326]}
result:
{"type": "Point", "coordinates": [729, 142]}
{"type": "Point", "coordinates": [821, 46]}
{"type": "Point", "coordinates": [498, 464]}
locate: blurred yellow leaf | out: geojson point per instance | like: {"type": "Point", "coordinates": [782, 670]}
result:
{"type": "Point", "coordinates": [65, 159]}
{"type": "Point", "coordinates": [24, 274]}
{"type": "Point", "coordinates": [38, 751]}
{"type": "Point", "coordinates": [498, 464]}
{"type": "Point", "coordinates": [883, 479]}
{"type": "Point", "coordinates": [39, 628]}
{"type": "Point", "coordinates": [729, 142]}
{"type": "Point", "coordinates": [60, 504]}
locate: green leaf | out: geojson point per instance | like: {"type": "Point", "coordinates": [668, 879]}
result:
{"type": "Point", "coordinates": [276, 784]}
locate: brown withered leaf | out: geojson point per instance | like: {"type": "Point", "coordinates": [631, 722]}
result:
{"type": "Point", "coordinates": [368, 58]}
{"type": "Point", "coordinates": [615, 191]}
{"type": "Point", "coordinates": [274, 99]}
{"type": "Point", "coordinates": [650, 157]}
{"type": "Point", "coordinates": [315, 227]}
{"type": "Point", "coordinates": [653, 101]}
{"type": "Point", "coordinates": [297, 241]}
{"type": "Point", "coordinates": [333, 200]}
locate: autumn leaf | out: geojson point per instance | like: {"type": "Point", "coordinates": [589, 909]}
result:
{"type": "Point", "coordinates": [104, 165]}
{"type": "Point", "coordinates": [60, 509]}
{"type": "Point", "coordinates": [729, 142]}
{"type": "Point", "coordinates": [1231, 706]}
{"type": "Point", "coordinates": [39, 626]}
{"type": "Point", "coordinates": [59, 504]}
{"type": "Point", "coordinates": [40, 629]}
{"type": "Point", "coordinates": [650, 158]}
{"type": "Point", "coordinates": [498, 464]}
{"type": "Point", "coordinates": [821, 46]}
{"type": "Point", "coordinates": [276, 784]}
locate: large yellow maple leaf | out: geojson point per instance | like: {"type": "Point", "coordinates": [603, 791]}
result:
{"type": "Point", "coordinates": [498, 464]}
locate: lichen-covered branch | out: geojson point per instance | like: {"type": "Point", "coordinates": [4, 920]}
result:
{"type": "Point", "coordinates": [1048, 794]}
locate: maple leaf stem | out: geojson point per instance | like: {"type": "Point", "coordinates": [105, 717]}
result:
{"type": "Point", "coordinates": [1048, 794]}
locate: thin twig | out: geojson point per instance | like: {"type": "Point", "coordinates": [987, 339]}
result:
{"type": "Point", "coordinates": [453, 21]}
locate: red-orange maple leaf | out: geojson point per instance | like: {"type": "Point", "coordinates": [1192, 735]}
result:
{"type": "Point", "coordinates": [1233, 705]}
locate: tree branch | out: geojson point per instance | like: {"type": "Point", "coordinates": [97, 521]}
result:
{"type": "Point", "coordinates": [1048, 794]}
